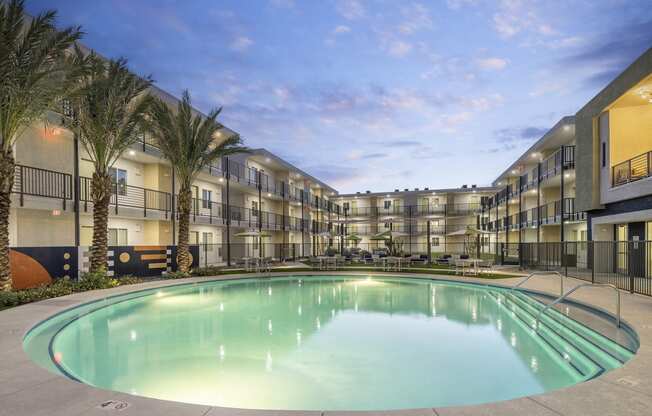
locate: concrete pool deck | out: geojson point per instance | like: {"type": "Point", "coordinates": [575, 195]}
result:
{"type": "Point", "coordinates": [27, 389]}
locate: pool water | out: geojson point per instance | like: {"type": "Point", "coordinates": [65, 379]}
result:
{"type": "Point", "coordinates": [322, 343]}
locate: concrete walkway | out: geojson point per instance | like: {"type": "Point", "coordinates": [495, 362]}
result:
{"type": "Point", "coordinates": [26, 389]}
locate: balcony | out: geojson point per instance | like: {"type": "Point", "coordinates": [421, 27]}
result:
{"type": "Point", "coordinates": [42, 183]}
{"type": "Point", "coordinates": [632, 170]}
{"type": "Point", "coordinates": [552, 165]}
{"type": "Point", "coordinates": [134, 199]}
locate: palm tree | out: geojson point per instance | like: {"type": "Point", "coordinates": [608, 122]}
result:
{"type": "Point", "coordinates": [190, 143]}
{"type": "Point", "coordinates": [108, 109]}
{"type": "Point", "coordinates": [35, 73]}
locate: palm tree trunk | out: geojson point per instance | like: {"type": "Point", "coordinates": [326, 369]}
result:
{"type": "Point", "coordinates": [183, 253]}
{"type": "Point", "coordinates": [7, 166]}
{"type": "Point", "coordinates": [101, 196]}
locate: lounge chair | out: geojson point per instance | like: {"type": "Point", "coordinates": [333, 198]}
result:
{"type": "Point", "coordinates": [419, 259]}
{"type": "Point", "coordinates": [445, 260]}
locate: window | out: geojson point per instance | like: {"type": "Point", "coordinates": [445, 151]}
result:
{"type": "Point", "coordinates": [604, 154]}
{"type": "Point", "coordinates": [195, 197]}
{"type": "Point", "coordinates": [254, 208]}
{"type": "Point", "coordinates": [435, 241]}
{"type": "Point", "coordinates": [117, 237]}
{"type": "Point", "coordinates": [193, 238]}
{"type": "Point", "coordinates": [207, 239]}
{"type": "Point", "coordinates": [119, 179]}
{"type": "Point", "coordinates": [345, 206]}
{"type": "Point", "coordinates": [206, 198]}
{"type": "Point", "coordinates": [387, 204]}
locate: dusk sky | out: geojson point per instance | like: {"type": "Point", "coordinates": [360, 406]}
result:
{"type": "Point", "coordinates": [379, 94]}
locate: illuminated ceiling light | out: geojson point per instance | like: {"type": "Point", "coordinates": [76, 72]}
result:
{"type": "Point", "coordinates": [534, 155]}
{"type": "Point", "coordinates": [514, 172]}
{"type": "Point", "coordinates": [567, 175]}
{"type": "Point", "coordinates": [566, 127]}
{"type": "Point", "coordinates": [132, 153]}
{"type": "Point", "coordinates": [500, 183]}
{"type": "Point", "coordinates": [268, 195]}
{"type": "Point", "coordinates": [387, 196]}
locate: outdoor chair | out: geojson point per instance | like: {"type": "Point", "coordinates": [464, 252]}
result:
{"type": "Point", "coordinates": [444, 260]}
{"type": "Point", "coordinates": [314, 263]}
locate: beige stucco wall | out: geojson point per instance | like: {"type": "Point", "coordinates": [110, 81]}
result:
{"type": "Point", "coordinates": [630, 131]}
{"type": "Point", "coordinates": [587, 151]}
{"type": "Point", "coordinates": [37, 228]}
{"type": "Point", "coordinates": [46, 148]}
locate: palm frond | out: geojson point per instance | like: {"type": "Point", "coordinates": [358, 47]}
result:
{"type": "Point", "coordinates": [109, 105]}
{"type": "Point", "coordinates": [188, 140]}
{"type": "Point", "coordinates": [34, 68]}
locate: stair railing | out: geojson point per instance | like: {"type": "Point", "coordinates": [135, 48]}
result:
{"type": "Point", "coordinates": [539, 273]}
{"type": "Point", "coordinates": [565, 295]}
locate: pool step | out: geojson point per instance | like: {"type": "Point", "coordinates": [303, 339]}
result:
{"type": "Point", "coordinates": [566, 352]}
{"type": "Point", "coordinates": [599, 355]}
{"type": "Point", "coordinates": [616, 350]}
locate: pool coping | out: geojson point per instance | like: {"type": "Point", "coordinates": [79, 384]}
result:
{"type": "Point", "coordinates": [27, 389]}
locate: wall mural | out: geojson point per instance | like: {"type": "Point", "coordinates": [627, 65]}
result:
{"type": "Point", "coordinates": [36, 266]}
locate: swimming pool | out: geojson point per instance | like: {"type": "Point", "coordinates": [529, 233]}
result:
{"type": "Point", "coordinates": [323, 343]}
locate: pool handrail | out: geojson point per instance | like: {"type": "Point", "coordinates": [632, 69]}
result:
{"type": "Point", "coordinates": [565, 295]}
{"type": "Point", "coordinates": [539, 273]}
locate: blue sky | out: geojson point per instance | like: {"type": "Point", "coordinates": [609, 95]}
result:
{"type": "Point", "coordinates": [378, 94]}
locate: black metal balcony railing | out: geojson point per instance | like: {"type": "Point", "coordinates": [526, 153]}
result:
{"type": "Point", "coordinates": [128, 196]}
{"type": "Point", "coordinates": [549, 213]}
{"type": "Point", "coordinates": [631, 170]}
{"type": "Point", "coordinates": [552, 165]}
{"type": "Point", "coordinates": [42, 183]}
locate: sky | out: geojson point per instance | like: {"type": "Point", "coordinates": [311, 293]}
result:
{"type": "Point", "coordinates": [376, 94]}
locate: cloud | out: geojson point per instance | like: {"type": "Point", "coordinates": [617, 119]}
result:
{"type": "Point", "coordinates": [341, 29]}
{"type": "Point", "coordinates": [399, 48]}
{"type": "Point", "coordinates": [458, 4]}
{"type": "Point", "coordinates": [610, 52]}
{"type": "Point", "coordinates": [282, 4]}
{"type": "Point", "coordinates": [416, 17]}
{"type": "Point", "coordinates": [241, 43]}
{"type": "Point", "coordinates": [519, 134]}
{"type": "Point", "coordinates": [495, 64]}
{"type": "Point", "coordinates": [516, 16]}
{"type": "Point", "coordinates": [350, 9]}
{"type": "Point", "coordinates": [374, 156]}
{"type": "Point", "coordinates": [400, 143]}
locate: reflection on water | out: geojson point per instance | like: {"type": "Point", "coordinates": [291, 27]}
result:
{"type": "Point", "coordinates": [313, 343]}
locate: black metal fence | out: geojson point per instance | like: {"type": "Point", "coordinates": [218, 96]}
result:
{"type": "Point", "coordinates": [625, 264]}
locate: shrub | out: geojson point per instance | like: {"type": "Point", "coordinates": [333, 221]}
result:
{"type": "Point", "coordinates": [63, 287]}
{"type": "Point", "coordinates": [207, 271]}
{"type": "Point", "coordinates": [176, 275]}
{"type": "Point", "coordinates": [8, 299]}
{"type": "Point", "coordinates": [95, 280]}
{"type": "Point", "coordinates": [129, 280]}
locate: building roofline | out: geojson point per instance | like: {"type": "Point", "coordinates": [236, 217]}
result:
{"type": "Point", "coordinates": [421, 192]}
{"type": "Point", "coordinates": [536, 146]}
{"type": "Point", "coordinates": [289, 166]}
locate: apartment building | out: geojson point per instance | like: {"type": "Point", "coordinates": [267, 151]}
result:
{"type": "Point", "coordinates": [614, 140]}
{"type": "Point", "coordinates": [258, 191]}
{"type": "Point", "coordinates": [535, 198]}
{"type": "Point", "coordinates": [434, 221]}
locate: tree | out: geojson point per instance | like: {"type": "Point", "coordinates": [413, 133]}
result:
{"type": "Point", "coordinates": [36, 71]}
{"type": "Point", "coordinates": [191, 143]}
{"type": "Point", "coordinates": [108, 110]}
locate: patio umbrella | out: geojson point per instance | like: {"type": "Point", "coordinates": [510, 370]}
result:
{"type": "Point", "coordinates": [353, 237]}
{"type": "Point", "coordinates": [254, 234]}
{"type": "Point", "coordinates": [468, 231]}
{"type": "Point", "coordinates": [387, 235]}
